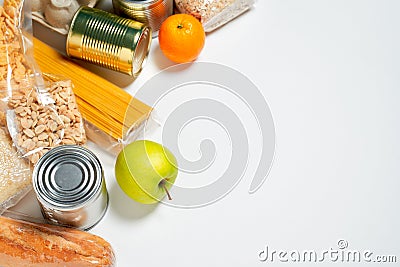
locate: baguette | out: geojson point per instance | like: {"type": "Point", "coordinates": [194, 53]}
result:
{"type": "Point", "coordinates": [27, 244]}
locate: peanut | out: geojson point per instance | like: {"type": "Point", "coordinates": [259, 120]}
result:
{"type": "Point", "coordinates": [47, 126]}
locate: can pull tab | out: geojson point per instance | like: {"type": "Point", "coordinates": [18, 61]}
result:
{"type": "Point", "coordinates": [61, 3]}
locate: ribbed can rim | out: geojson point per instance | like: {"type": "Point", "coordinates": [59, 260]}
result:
{"type": "Point", "coordinates": [142, 50]}
{"type": "Point", "coordinates": [141, 2]}
{"type": "Point", "coordinates": [52, 171]}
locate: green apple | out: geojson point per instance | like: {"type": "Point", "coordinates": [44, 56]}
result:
{"type": "Point", "coordinates": [145, 171]}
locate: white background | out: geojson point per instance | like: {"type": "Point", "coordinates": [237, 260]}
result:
{"type": "Point", "coordinates": [330, 73]}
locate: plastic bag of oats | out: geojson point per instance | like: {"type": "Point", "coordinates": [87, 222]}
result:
{"type": "Point", "coordinates": [214, 13]}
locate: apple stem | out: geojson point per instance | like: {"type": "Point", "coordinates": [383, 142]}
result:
{"type": "Point", "coordinates": [166, 190]}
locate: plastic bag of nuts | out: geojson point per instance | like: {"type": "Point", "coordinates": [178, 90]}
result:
{"type": "Point", "coordinates": [35, 128]}
{"type": "Point", "coordinates": [40, 113]}
{"type": "Point", "coordinates": [214, 13]}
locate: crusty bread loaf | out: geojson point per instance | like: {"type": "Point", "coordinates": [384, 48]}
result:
{"type": "Point", "coordinates": [26, 244]}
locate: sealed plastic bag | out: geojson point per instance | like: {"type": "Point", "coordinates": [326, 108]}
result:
{"type": "Point", "coordinates": [40, 114]}
{"type": "Point", "coordinates": [214, 13]}
{"type": "Point", "coordinates": [112, 116]}
{"type": "Point", "coordinates": [36, 127]}
{"type": "Point", "coordinates": [35, 115]}
{"type": "Point", "coordinates": [15, 173]}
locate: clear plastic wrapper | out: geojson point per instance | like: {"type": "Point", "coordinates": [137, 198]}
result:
{"type": "Point", "coordinates": [36, 127]}
{"type": "Point", "coordinates": [15, 173]}
{"type": "Point", "coordinates": [33, 244]}
{"type": "Point", "coordinates": [57, 14]}
{"type": "Point", "coordinates": [40, 113]}
{"type": "Point", "coordinates": [214, 13]}
{"type": "Point", "coordinates": [35, 114]}
{"type": "Point", "coordinates": [112, 116]}
{"type": "Point", "coordinates": [114, 145]}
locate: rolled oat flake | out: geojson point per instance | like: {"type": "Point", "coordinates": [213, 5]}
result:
{"type": "Point", "coordinates": [70, 187]}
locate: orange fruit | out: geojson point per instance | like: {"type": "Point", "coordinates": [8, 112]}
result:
{"type": "Point", "coordinates": [181, 38]}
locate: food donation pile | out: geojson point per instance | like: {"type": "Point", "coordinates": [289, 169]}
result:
{"type": "Point", "coordinates": [47, 118]}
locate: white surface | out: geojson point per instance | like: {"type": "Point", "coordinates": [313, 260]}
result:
{"type": "Point", "coordinates": [330, 73]}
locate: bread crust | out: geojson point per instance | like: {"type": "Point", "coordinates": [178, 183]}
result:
{"type": "Point", "coordinates": [29, 244]}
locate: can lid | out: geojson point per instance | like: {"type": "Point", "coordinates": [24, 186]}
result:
{"type": "Point", "coordinates": [67, 176]}
{"type": "Point", "coordinates": [141, 51]}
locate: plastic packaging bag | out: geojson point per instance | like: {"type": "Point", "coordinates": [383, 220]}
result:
{"type": "Point", "coordinates": [39, 114]}
{"type": "Point", "coordinates": [25, 243]}
{"type": "Point", "coordinates": [36, 127]}
{"type": "Point", "coordinates": [112, 116]}
{"type": "Point", "coordinates": [32, 110]}
{"type": "Point", "coordinates": [213, 13]}
{"type": "Point", "coordinates": [113, 145]}
{"type": "Point", "coordinates": [15, 173]}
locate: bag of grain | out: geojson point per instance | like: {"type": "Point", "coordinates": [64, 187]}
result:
{"type": "Point", "coordinates": [214, 13]}
{"type": "Point", "coordinates": [15, 173]}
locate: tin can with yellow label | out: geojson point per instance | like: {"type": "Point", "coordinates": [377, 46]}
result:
{"type": "Point", "coordinates": [109, 40]}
